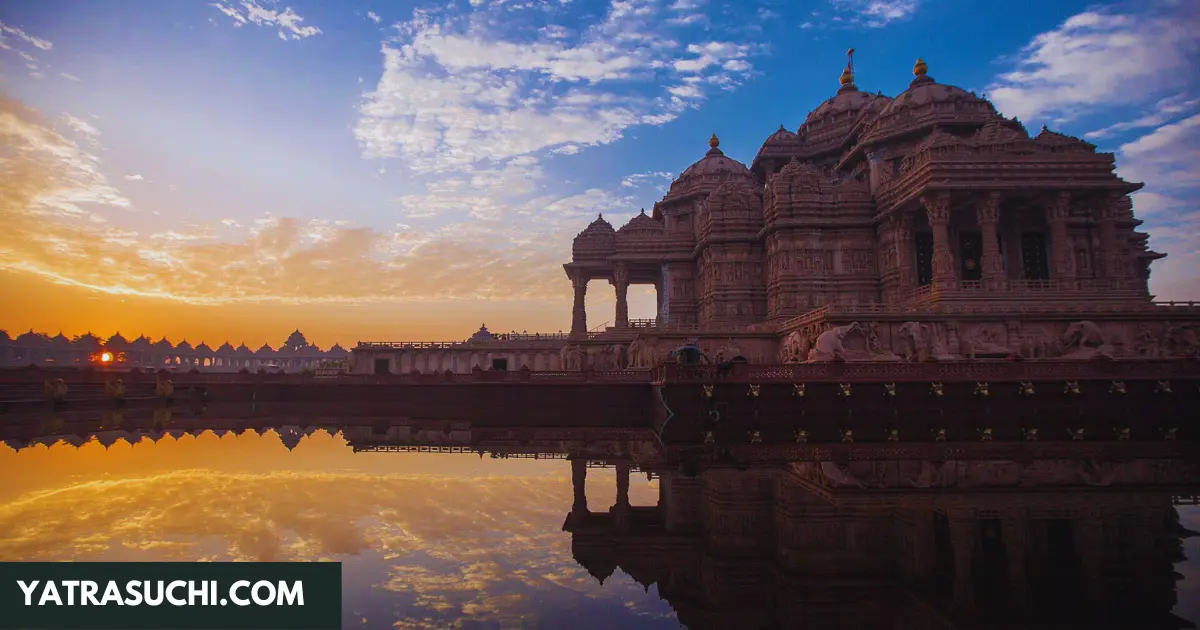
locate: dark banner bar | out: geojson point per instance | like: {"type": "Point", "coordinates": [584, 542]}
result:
{"type": "Point", "coordinates": [170, 595]}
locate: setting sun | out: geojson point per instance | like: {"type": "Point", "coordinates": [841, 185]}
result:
{"type": "Point", "coordinates": [106, 357]}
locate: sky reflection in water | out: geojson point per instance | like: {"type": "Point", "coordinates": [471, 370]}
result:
{"type": "Point", "coordinates": [426, 540]}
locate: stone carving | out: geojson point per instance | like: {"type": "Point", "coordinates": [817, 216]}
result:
{"type": "Point", "coordinates": [1085, 340]}
{"type": "Point", "coordinates": [795, 347]}
{"type": "Point", "coordinates": [573, 358]}
{"type": "Point", "coordinates": [1179, 341]}
{"type": "Point", "coordinates": [912, 337]}
{"type": "Point", "coordinates": [1145, 343]}
{"type": "Point", "coordinates": [829, 346]}
{"type": "Point", "coordinates": [984, 341]}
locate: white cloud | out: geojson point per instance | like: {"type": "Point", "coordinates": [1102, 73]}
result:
{"type": "Point", "coordinates": [36, 42]}
{"type": "Point", "coordinates": [874, 13]}
{"type": "Point", "coordinates": [374, 17]}
{"type": "Point", "coordinates": [81, 126]}
{"type": "Point", "coordinates": [1163, 112]}
{"type": "Point", "coordinates": [453, 93]}
{"type": "Point", "coordinates": [134, 177]}
{"type": "Point", "coordinates": [1100, 57]}
{"type": "Point", "coordinates": [70, 77]}
{"type": "Point", "coordinates": [286, 21]}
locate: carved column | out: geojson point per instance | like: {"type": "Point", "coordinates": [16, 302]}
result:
{"type": "Point", "coordinates": [1013, 530]}
{"type": "Point", "coordinates": [658, 301]}
{"type": "Point", "coordinates": [579, 281]}
{"type": "Point", "coordinates": [578, 484]}
{"type": "Point", "coordinates": [1109, 252]}
{"type": "Point", "coordinates": [904, 251]}
{"type": "Point", "coordinates": [937, 208]}
{"type": "Point", "coordinates": [962, 540]}
{"type": "Point", "coordinates": [621, 282]}
{"type": "Point", "coordinates": [1062, 265]}
{"type": "Point", "coordinates": [991, 266]}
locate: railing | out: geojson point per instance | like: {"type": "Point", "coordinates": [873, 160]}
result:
{"type": "Point", "coordinates": [1191, 499]}
{"type": "Point", "coordinates": [433, 345]}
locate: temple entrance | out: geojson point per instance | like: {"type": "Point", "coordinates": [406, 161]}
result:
{"type": "Point", "coordinates": [970, 252]}
{"type": "Point", "coordinates": [500, 364]}
{"type": "Point", "coordinates": [924, 247]}
{"type": "Point", "coordinates": [1033, 256]}
{"type": "Point", "coordinates": [383, 366]}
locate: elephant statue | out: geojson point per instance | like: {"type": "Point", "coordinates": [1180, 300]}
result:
{"type": "Point", "coordinates": [829, 343]}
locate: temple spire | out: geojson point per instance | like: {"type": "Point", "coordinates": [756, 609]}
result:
{"type": "Point", "coordinates": [847, 79]}
{"type": "Point", "coordinates": [714, 141]}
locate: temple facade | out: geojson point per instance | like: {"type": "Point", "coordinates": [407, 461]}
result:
{"type": "Point", "coordinates": [484, 350]}
{"type": "Point", "coordinates": [924, 226]}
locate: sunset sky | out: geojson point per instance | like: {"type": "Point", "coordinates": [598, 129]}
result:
{"type": "Point", "coordinates": [398, 170]}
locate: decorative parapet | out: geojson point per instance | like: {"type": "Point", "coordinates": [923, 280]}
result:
{"type": "Point", "coordinates": [502, 339]}
{"type": "Point", "coordinates": [965, 371]}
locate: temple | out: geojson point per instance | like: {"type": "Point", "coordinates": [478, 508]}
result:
{"type": "Point", "coordinates": [924, 226]}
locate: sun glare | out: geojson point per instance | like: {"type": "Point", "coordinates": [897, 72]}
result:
{"type": "Point", "coordinates": [106, 357]}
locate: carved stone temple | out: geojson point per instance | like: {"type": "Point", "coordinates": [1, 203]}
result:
{"type": "Point", "coordinates": [923, 226]}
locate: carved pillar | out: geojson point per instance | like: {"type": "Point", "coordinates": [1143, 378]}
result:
{"type": "Point", "coordinates": [658, 301]}
{"type": "Point", "coordinates": [579, 281]}
{"type": "Point", "coordinates": [1089, 544]}
{"type": "Point", "coordinates": [1062, 265]}
{"type": "Point", "coordinates": [1109, 252]}
{"type": "Point", "coordinates": [905, 260]}
{"type": "Point", "coordinates": [937, 208]}
{"type": "Point", "coordinates": [578, 484]}
{"type": "Point", "coordinates": [962, 540]}
{"type": "Point", "coordinates": [991, 267]}
{"type": "Point", "coordinates": [621, 282]}
{"type": "Point", "coordinates": [1013, 529]}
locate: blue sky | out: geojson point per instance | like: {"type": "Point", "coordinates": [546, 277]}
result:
{"type": "Point", "coordinates": [433, 152]}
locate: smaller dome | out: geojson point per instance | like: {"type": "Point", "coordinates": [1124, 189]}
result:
{"type": "Point", "coordinates": [597, 240]}
{"type": "Point", "coordinates": [923, 90]}
{"type": "Point", "coordinates": [184, 346]}
{"type": "Point", "coordinates": [265, 349]}
{"type": "Point", "coordinates": [244, 350]}
{"type": "Point", "coordinates": [141, 343]}
{"type": "Point", "coordinates": [482, 335]}
{"type": "Point", "coordinates": [640, 227]}
{"type": "Point", "coordinates": [782, 136]}
{"type": "Point", "coordinates": [163, 344]}
{"type": "Point", "coordinates": [225, 348]}
{"type": "Point", "coordinates": [204, 348]}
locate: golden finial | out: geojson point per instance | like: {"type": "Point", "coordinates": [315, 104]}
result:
{"type": "Point", "coordinates": [714, 142]}
{"type": "Point", "coordinates": [848, 73]}
{"type": "Point", "coordinates": [920, 68]}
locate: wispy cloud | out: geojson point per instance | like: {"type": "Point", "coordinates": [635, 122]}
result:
{"type": "Point", "coordinates": [872, 13]}
{"type": "Point", "coordinates": [48, 182]}
{"type": "Point", "coordinates": [288, 23]}
{"type": "Point", "coordinates": [134, 177]}
{"type": "Point", "coordinates": [22, 44]}
{"type": "Point", "coordinates": [1163, 112]}
{"type": "Point", "coordinates": [1101, 56]}
{"type": "Point", "coordinates": [453, 93]}
{"type": "Point", "coordinates": [70, 77]}
{"type": "Point", "coordinates": [374, 17]}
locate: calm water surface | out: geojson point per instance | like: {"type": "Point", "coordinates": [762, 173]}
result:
{"type": "Point", "coordinates": [427, 540]}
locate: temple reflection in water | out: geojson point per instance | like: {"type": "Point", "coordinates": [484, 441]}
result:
{"type": "Point", "coordinates": [1053, 534]}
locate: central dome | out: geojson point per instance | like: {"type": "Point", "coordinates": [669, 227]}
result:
{"type": "Point", "coordinates": [714, 162]}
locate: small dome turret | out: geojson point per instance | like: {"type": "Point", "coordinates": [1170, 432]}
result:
{"type": "Point", "coordinates": [597, 241]}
